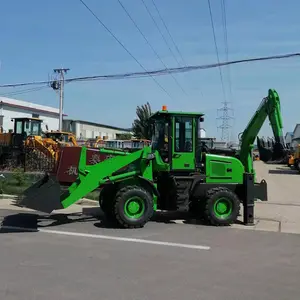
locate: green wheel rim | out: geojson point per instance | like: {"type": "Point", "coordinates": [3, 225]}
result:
{"type": "Point", "coordinates": [134, 207]}
{"type": "Point", "coordinates": [223, 208]}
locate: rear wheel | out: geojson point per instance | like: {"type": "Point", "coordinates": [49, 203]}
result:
{"type": "Point", "coordinates": [222, 207]}
{"type": "Point", "coordinates": [133, 207]}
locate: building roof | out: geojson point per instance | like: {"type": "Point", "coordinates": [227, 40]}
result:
{"type": "Point", "coordinates": [296, 127]}
{"type": "Point", "coordinates": [25, 105]}
{"type": "Point", "coordinates": [98, 125]}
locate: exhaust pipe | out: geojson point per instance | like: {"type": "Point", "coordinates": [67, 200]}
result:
{"type": "Point", "coordinates": [42, 196]}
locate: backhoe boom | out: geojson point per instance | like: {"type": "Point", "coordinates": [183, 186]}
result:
{"type": "Point", "coordinates": [269, 107]}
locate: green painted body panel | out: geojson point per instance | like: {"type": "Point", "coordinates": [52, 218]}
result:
{"type": "Point", "coordinates": [223, 169]}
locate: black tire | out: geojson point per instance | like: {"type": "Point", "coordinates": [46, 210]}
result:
{"type": "Point", "coordinates": [146, 201]}
{"type": "Point", "coordinates": [106, 201]}
{"type": "Point", "coordinates": [296, 164]}
{"type": "Point", "coordinates": [213, 196]}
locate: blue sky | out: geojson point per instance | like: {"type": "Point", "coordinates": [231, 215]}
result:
{"type": "Point", "coordinates": [37, 36]}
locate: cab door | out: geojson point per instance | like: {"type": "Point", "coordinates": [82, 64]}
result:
{"type": "Point", "coordinates": [183, 152]}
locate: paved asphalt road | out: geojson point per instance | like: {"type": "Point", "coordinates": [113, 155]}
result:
{"type": "Point", "coordinates": [239, 264]}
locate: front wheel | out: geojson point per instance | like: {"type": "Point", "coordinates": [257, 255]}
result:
{"type": "Point", "coordinates": [222, 207]}
{"type": "Point", "coordinates": [133, 207]}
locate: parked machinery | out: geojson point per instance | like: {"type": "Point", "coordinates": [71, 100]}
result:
{"type": "Point", "coordinates": [294, 158]}
{"type": "Point", "coordinates": [12, 143]}
{"type": "Point", "coordinates": [172, 174]}
{"type": "Point", "coordinates": [271, 151]}
{"type": "Point", "coordinates": [27, 135]}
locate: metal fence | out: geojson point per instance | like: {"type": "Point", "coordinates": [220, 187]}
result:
{"type": "Point", "coordinates": [29, 159]}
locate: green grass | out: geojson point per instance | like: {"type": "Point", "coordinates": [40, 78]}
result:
{"type": "Point", "coordinates": [11, 187]}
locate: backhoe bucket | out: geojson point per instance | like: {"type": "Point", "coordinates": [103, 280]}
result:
{"type": "Point", "coordinates": [276, 154]}
{"type": "Point", "coordinates": [42, 196]}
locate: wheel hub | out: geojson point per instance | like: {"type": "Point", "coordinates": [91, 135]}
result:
{"type": "Point", "coordinates": [134, 207]}
{"type": "Point", "coordinates": [223, 208]}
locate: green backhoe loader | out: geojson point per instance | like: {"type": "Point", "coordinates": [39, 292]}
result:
{"type": "Point", "coordinates": [172, 174]}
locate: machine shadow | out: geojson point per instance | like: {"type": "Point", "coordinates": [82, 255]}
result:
{"type": "Point", "coordinates": [24, 222]}
{"type": "Point", "coordinates": [32, 222]}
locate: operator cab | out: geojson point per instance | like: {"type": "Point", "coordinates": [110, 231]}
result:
{"type": "Point", "coordinates": [59, 136]}
{"type": "Point", "coordinates": [25, 127]}
{"type": "Point", "coordinates": [176, 138]}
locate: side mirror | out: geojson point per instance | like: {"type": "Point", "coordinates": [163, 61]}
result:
{"type": "Point", "coordinates": [201, 119]}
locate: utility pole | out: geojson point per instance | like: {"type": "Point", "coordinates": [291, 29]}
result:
{"type": "Point", "coordinates": [60, 85]}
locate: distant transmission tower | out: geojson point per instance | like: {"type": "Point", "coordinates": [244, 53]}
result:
{"type": "Point", "coordinates": [226, 115]}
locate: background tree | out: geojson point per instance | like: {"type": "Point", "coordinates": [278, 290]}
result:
{"type": "Point", "coordinates": [140, 126]}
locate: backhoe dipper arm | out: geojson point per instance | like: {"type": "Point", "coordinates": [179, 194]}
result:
{"type": "Point", "coordinates": [269, 107]}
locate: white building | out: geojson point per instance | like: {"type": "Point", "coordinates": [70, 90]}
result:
{"type": "Point", "coordinates": [89, 130]}
{"type": "Point", "coordinates": [12, 108]}
{"type": "Point", "coordinates": [296, 136]}
{"type": "Point", "coordinates": [289, 138]}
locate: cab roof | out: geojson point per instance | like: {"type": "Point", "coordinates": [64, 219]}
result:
{"type": "Point", "coordinates": [176, 113]}
{"type": "Point", "coordinates": [27, 118]}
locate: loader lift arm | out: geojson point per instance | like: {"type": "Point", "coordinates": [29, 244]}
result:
{"type": "Point", "coordinates": [91, 177]}
{"type": "Point", "coordinates": [269, 107]}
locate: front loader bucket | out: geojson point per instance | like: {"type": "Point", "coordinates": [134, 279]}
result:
{"type": "Point", "coordinates": [42, 196]}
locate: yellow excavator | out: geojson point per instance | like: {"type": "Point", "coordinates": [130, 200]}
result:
{"type": "Point", "coordinates": [294, 158]}
{"type": "Point", "coordinates": [28, 133]}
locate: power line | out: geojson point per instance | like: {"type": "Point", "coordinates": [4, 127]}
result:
{"type": "Point", "coordinates": [216, 48]}
{"type": "Point", "coordinates": [224, 19]}
{"type": "Point", "coordinates": [225, 118]}
{"type": "Point", "coordinates": [160, 32]}
{"type": "Point", "coordinates": [163, 37]}
{"type": "Point", "coordinates": [24, 91]}
{"type": "Point", "coordinates": [147, 41]}
{"type": "Point", "coordinates": [169, 33]}
{"type": "Point", "coordinates": [121, 44]}
{"type": "Point", "coordinates": [159, 72]}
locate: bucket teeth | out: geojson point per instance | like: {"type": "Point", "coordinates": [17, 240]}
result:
{"type": "Point", "coordinates": [42, 196]}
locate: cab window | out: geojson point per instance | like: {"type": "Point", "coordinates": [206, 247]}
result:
{"type": "Point", "coordinates": [183, 134]}
{"type": "Point", "coordinates": [19, 127]}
